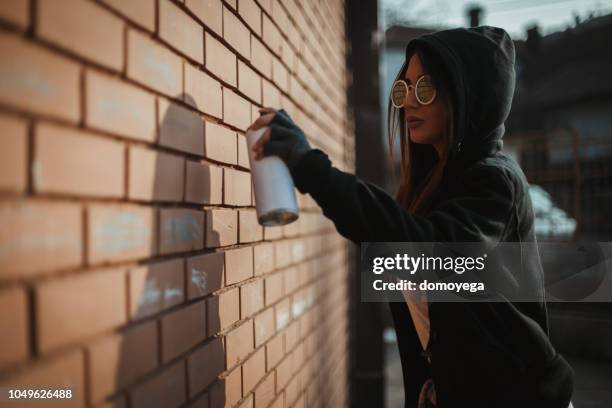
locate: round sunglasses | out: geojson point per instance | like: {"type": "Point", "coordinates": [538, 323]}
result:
{"type": "Point", "coordinates": [424, 90]}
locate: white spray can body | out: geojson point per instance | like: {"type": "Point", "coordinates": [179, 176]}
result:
{"type": "Point", "coordinates": [273, 186]}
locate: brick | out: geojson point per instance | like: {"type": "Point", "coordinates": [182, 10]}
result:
{"type": "Point", "coordinates": [220, 60]}
{"type": "Point", "coordinates": [264, 393]}
{"type": "Point", "coordinates": [220, 144]}
{"type": "Point", "coordinates": [62, 371]}
{"type": "Point", "coordinates": [279, 15]}
{"type": "Point", "coordinates": [209, 12]}
{"type": "Point", "coordinates": [272, 233]}
{"type": "Point", "coordinates": [287, 55]}
{"type": "Point", "coordinates": [249, 82]}
{"type": "Point", "coordinates": [249, 228]}
{"type": "Point", "coordinates": [283, 373]}
{"type": "Point", "coordinates": [180, 230]}
{"type": "Point", "coordinates": [15, 12]}
{"type": "Point", "coordinates": [236, 110]}
{"type": "Point", "coordinates": [291, 335]}
{"type": "Point", "coordinates": [279, 402]}
{"type": "Point", "coordinates": [264, 326]}
{"type": "Point", "coordinates": [254, 112]}
{"type": "Point", "coordinates": [248, 402]}
{"type": "Point", "coordinates": [227, 391]}
{"type": "Point", "coordinates": [283, 253]}
{"type": "Point", "coordinates": [223, 311]}
{"type": "Point", "coordinates": [73, 162]}
{"type": "Point", "coordinates": [251, 13]}
{"type": "Point", "coordinates": [253, 370]}
{"type": "Point", "coordinates": [239, 343]}
{"type": "Point", "coordinates": [14, 317]}
{"type": "Point", "coordinates": [13, 153]}
{"type": "Point", "coordinates": [120, 232]}
{"type": "Point", "coordinates": [202, 91]}
{"type": "Point", "coordinates": [117, 360]}
{"type": "Point", "coordinates": [275, 351]}
{"type": "Point", "coordinates": [166, 389]}
{"type": "Point", "coordinates": [154, 175]}
{"type": "Point", "coordinates": [291, 277]}
{"type": "Point", "coordinates": [205, 274]}
{"type": "Point", "coordinates": [283, 314]}
{"type": "Point", "coordinates": [243, 153]}
{"type": "Point", "coordinates": [236, 187]}
{"type": "Point", "coordinates": [238, 265]}
{"type": "Point", "coordinates": [261, 58]}
{"type": "Point", "coordinates": [298, 356]}
{"type": "Point", "coordinates": [180, 128]}
{"type": "Point", "coordinates": [221, 228]}
{"type": "Point", "coordinates": [298, 248]}
{"type": "Point", "coordinates": [38, 237]}
{"type": "Point", "coordinates": [271, 95]}
{"type": "Point", "coordinates": [140, 12]}
{"type": "Point", "coordinates": [280, 75]}
{"type": "Point", "coordinates": [181, 31]}
{"type": "Point", "coordinates": [36, 80]}
{"type": "Point", "coordinates": [263, 258]}
{"type": "Point", "coordinates": [274, 288]}
{"type": "Point", "coordinates": [291, 391]}
{"type": "Point", "coordinates": [266, 5]}
{"type": "Point", "coordinates": [236, 33]}
{"type": "Point", "coordinates": [200, 402]}
{"type": "Point", "coordinates": [205, 364]}
{"type": "Point", "coordinates": [251, 298]}
{"type": "Point", "coordinates": [203, 183]}
{"type": "Point", "coordinates": [72, 308]}
{"type": "Point", "coordinates": [155, 287]}
{"type": "Point", "coordinates": [118, 107]}
{"type": "Point", "coordinates": [299, 303]}
{"type": "Point", "coordinates": [96, 35]}
{"type": "Point", "coordinates": [153, 65]}
{"type": "Point", "coordinates": [182, 329]}
{"type": "Point", "coordinates": [271, 34]}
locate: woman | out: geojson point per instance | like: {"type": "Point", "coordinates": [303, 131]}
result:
{"type": "Point", "coordinates": [455, 186]}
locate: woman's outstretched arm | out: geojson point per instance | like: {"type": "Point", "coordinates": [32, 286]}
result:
{"type": "Point", "coordinates": [479, 211]}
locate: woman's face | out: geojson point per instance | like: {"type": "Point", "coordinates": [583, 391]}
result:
{"type": "Point", "coordinates": [425, 123]}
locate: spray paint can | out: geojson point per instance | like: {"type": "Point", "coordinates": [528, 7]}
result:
{"type": "Point", "coordinates": [275, 199]}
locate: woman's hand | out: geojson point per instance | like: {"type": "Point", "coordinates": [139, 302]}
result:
{"type": "Point", "coordinates": [282, 138]}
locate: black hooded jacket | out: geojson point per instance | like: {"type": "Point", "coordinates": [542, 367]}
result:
{"type": "Point", "coordinates": [487, 354]}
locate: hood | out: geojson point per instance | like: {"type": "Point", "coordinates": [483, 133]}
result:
{"type": "Point", "coordinates": [480, 64]}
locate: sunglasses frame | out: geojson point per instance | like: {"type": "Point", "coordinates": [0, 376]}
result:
{"type": "Point", "coordinates": [414, 90]}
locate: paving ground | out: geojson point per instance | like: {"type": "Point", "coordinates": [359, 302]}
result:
{"type": "Point", "coordinates": [593, 387]}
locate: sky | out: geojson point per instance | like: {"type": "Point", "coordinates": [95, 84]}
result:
{"type": "Point", "coordinates": [512, 15]}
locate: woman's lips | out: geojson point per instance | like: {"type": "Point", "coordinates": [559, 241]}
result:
{"type": "Point", "coordinates": [414, 123]}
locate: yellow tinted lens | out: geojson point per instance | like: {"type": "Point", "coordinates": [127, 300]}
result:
{"type": "Point", "coordinates": [398, 94]}
{"type": "Point", "coordinates": [425, 90]}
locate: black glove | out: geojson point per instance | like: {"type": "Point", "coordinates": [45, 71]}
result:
{"type": "Point", "coordinates": [287, 140]}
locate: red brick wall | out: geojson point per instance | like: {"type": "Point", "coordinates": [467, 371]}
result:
{"type": "Point", "coordinates": [132, 266]}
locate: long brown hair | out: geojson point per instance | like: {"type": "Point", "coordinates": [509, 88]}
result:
{"type": "Point", "coordinates": [421, 169]}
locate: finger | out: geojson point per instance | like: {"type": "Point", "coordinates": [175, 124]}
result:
{"type": "Point", "coordinates": [266, 109]}
{"type": "Point", "coordinates": [262, 121]}
{"type": "Point", "coordinates": [282, 118]}
{"type": "Point", "coordinates": [262, 139]}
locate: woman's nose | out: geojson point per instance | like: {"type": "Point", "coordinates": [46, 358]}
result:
{"type": "Point", "coordinates": [410, 100]}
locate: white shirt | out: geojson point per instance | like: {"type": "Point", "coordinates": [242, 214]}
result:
{"type": "Point", "coordinates": [419, 311]}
